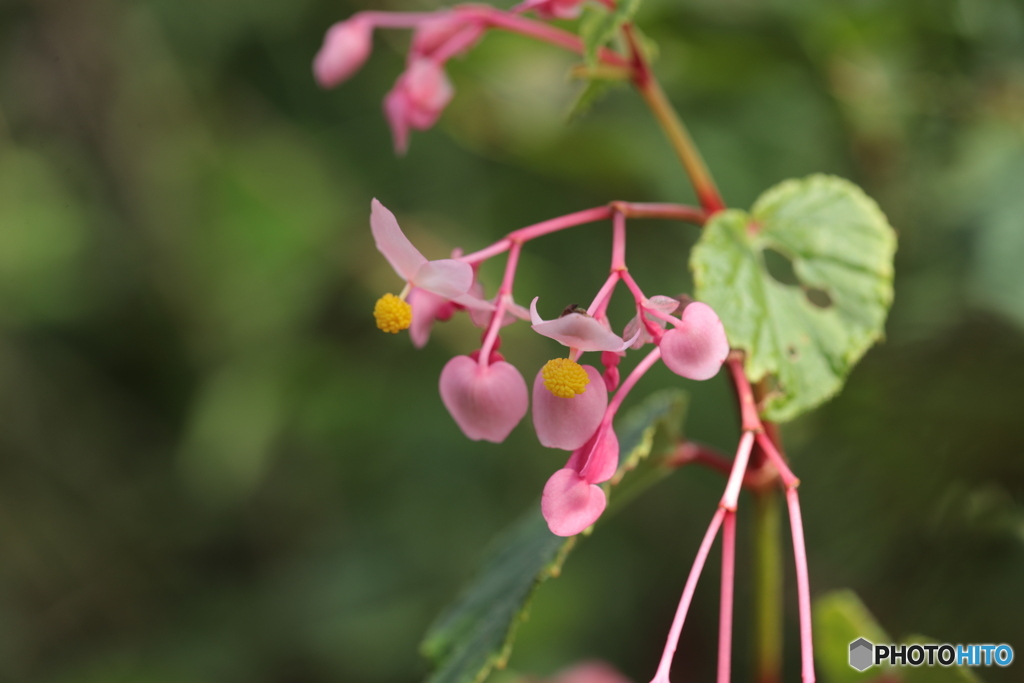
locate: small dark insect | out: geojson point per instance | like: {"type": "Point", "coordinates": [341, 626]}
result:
{"type": "Point", "coordinates": [574, 308]}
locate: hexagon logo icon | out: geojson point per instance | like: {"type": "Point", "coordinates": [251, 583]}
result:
{"type": "Point", "coordinates": [860, 654]}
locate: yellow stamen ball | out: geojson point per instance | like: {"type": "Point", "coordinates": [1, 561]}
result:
{"type": "Point", "coordinates": [393, 315]}
{"type": "Point", "coordinates": [564, 377]}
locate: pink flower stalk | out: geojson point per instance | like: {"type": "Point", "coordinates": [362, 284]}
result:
{"type": "Point", "coordinates": [552, 9]}
{"type": "Point", "coordinates": [347, 45]}
{"type": "Point", "coordinates": [578, 331]}
{"type": "Point", "coordinates": [697, 346]}
{"type": "Point", "coordinates": [417, 100]}
{"type": "Point", "coordinates": [572, 500]}
{"type": "Point", "coordinates": [486, 400]}
{"type": "Point", "coordinates": [568, 423]}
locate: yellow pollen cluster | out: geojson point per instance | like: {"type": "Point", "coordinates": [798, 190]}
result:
{"type": "Point", "coordinates": [393, 315]}
{"type": "Point", "coordinates": [564, 377]}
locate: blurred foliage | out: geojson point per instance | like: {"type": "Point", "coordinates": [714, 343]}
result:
{"type": "Point", "coordinates": [214, 467]}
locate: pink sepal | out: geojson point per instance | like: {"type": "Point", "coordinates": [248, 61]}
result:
{"type": "Point", "coordinates": [448, 278]}
{"type": "Point", "coordinates": [486, 402]}
{"type": "Point", "coordinates": [697, 347]}
{"type": "Point", "coordinates": [578, 331]}
{"type": "Point", "coordinates": [568, 423]}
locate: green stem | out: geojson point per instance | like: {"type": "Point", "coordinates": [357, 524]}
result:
{"type": "Point", "coordinates": [768, 588]}
{"type": "Point", "coordinates": [675, 129]}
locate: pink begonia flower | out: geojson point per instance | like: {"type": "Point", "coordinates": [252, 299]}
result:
{"type": "Point", "coordinates": [697, 348]}
{"type": "Point", "coordinates": [664, 304]}
{"type": "Point", "coordinates": [346, 47]}
{"type": "Point", "coordinates": [428, 308]}
{"type": "Point", "coordinates": [417, 100]}
{"type": "Point", "coordinates": [552, 9]}
{"type": "Point", "coordinates": [487, 402]}
{"type": "Point", "coordinates": [577, 330]}
{"type": "Point", "coordinates": [568, 423]}
{"type": "Point", "coordinates": [572, 501]}
{"type": "Point", "coordinates": [590, 672]}
{"type": "Point", "coordinates": [446, 278]}
{"type": "Point", "coordinates": [434, 33]}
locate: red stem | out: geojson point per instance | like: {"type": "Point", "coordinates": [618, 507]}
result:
{"type": "Point", "coordinates": [725, 611]}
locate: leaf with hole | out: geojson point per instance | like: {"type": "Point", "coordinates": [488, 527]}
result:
{"type": "Point", "coordinates": [475, 634]}
{"type": "Point", "coordinates": [805, 336]}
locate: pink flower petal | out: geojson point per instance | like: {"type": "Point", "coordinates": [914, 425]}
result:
{"type": "Point", "coordinates": [487, 403]}
{"type": "Point", "coordinates": [697, 348]}
{"type": "Point", "coordinates": [598, 459]}
{"type": "Point", "coordinates": [346, 47]}
{"type": "Point", "coordinates": [590, 672]}
{"type": "Point", "coordinates": [446, 277]}
{"type": "Point", "coordinates": [578, 331]}
{"type": "Point", "coordinates": [392, 242]}
{"type": "Point", "coordinates": [426, 306]}
{"type": "Point", "coordinates": [568, 423]}
{"type": "Point", "coordinates": [570, 504]}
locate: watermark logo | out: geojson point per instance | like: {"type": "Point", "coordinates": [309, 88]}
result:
{"type": "Point", "coordinates": [865, 654]}
{"type": "Point", "coordinates": [860, 654]}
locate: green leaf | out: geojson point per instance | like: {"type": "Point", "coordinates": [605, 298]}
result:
{"type": "Point", "coordinates": [839, 619]}
{"type": "Point", "coordinates": [806, 336]}
{"type": "Point", "coordinates": [598, 27]}
{"type": "Point", "coordinates": [476, 633]}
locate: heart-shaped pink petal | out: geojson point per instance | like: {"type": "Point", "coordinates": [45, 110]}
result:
{"type": "Point", "coordinates": [486, 402]}
{"type": "Point", "coordinates": [697, 348]}
{"type": "Point", "coordinates": [570, 504]}
{"type": "Point", "coordinates": [568, 423]}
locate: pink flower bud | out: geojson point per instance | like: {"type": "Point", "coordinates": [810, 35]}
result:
{"type": "Point", "coordinates": [568, 423]}
{"type": "Point", "coordinates": [553, 9]}
{"type": "Point", "coordinates": [417, 100]}
{"type": "Point", "coordinates": [486, 402]}
{"type": "Point", "coordinates": [346, 47]}
{"type": "Point", "coordinates": [697, 348]}
{"type": "Point", "coordinates": [434, 33]}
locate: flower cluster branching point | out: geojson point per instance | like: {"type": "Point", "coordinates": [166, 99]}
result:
{"type": "Point", "coordinates": [392, 313]}
{"type": "Point", "coordinates": [564, 377]}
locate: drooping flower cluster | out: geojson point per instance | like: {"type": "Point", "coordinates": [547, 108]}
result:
{"type": "Point", "coordinates": [488, 397]}
{"type": "Point", "coordinates": [573, 404]}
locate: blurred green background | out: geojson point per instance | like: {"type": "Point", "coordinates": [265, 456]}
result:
{"type": "Point", "coordinates": [215, 468]}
